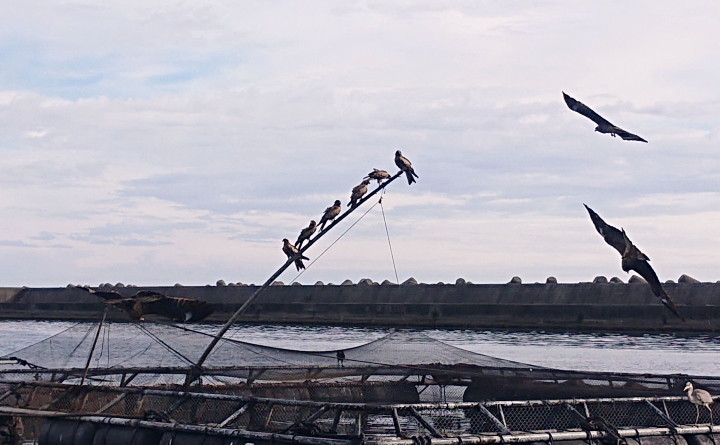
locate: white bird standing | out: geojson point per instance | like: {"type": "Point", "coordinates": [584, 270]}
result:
{"type": "Point", "coordinates": [699, 397]}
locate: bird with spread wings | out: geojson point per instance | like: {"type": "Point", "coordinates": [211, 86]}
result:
{"type": "Point", "coordinates": [146, 302]}
{"type": "Point", "coordinates": [633, 259]}
{"type": "Point", "coordinates": [603, 125]}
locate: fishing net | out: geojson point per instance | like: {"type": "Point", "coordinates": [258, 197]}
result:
{"type": "Point", "coordinates": [153, 346]}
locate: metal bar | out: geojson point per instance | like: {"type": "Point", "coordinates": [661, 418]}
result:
{"type": "Point", "coordinates": [11, 391]}
{"type": "Point", "coordinates": [177, 404]}
{"type": "Point", "coordinates": [396, 423]}
{"type": "Point", "coordinates": [502, 415]}
{"type": "Point", "coordinates": [130, 379]}
{"type": "Point", "coordinates": [315, 416]}
{"type": "Point", "coordinates": [659, 412]}
{"type": "Point", "coordinates": [498, 424]}
{"type": "Point", "coordinates": [336, 421]}
{"type": "Point", "coordinates": [231, 418]}
{"type": "Point", "coordinates": [424, 422]}
{"type": "Point", "coordinates": [92, 348]}
{"type": "Point", "coordinates": [197, 367]}
{"type": "Point", "coordinates": [112, 403]}
{"type": "Point", "coordinates": [575, 412]}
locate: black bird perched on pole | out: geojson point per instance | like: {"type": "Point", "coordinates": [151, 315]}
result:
{"type": "Point", "coordinates": [379, 175]}
{"type": "Point", "coordinates": [603, 126]}
{"type": "Point", "coordinates": [291, 251]}
{"type": "Point", "coordinates": [357, 192]}
{"type": "Point", "coordinates": [330, 214]}
{"type": "Point", "coordinates": [340, 357]}
{"type": "Point", "coordinates": [404, 164]}
{"type": "Point", "coordinates": [306, 233]}
{"type": "Point", "coordinates": [633, 259]}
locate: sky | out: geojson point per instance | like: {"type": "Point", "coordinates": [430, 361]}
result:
{"type": "Point", "coordinates": [154, 143]}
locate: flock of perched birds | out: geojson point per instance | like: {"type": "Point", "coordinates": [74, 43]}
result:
{"type": "Point", "coordinates": [293, 250]}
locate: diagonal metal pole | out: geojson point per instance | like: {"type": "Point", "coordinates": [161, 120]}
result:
{"type": "Point", "coordinates": [196, 370]}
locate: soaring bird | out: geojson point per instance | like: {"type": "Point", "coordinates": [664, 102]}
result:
{"type": "Point", "coordinates": [404, 164]}
{"type": "Point", "coordinates": [291, 251]}
{"type": "Point", "coordinates": [306, 233]}
{"type": "Point", "coordinates": [147, 302]}
{"type": "Point", "coordinates": [330, 214]}
{"type": "Point", "coordinates": [603, 126]}
{"type": "Point", "coordinates": [633, 259]}
{"type": "Point", "coordinates": [699, 397]}
{"type": "Point", "coordinates": [357, 192]}
{"type": "Point", "coordinates": [380, 175]}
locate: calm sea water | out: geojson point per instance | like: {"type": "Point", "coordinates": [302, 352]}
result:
{"type": "Point", "coordinates": [652, 353]}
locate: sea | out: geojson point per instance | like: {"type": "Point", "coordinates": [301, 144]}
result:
{"type": "Point", "coordinates": [661, 353]}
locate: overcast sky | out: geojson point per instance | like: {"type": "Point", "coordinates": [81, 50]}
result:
{"type": "Point", "coordinates": [179, 141]}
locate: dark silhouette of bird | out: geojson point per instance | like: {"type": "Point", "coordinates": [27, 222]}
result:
{"type": "Point", "coordinates": [597, 423]}
{"type": "Point", "coordinates": [340, 357]}
{"type": "Point", "coordinates": [147, 302]}
{"type": "Point", "coordinates": [330, 214]}
{"type": "Point", "coordinates": [404, 164]}
{"type": "Point", "coordinates": [699, 397]}
{"type": "Point", "coordinates": [305, 234]}
{"type": "Point", "coordinates": [357, 192]}
{"type": "Point", "coordinates": [291, 251]}
{"type": "Point", "coordinates": [603, 126]}
{"type": "Point", "coordinates": [379, 175]}
{"type": "Point", "coordinates": [633, 259]}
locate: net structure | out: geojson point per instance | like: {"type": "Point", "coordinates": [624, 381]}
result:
{"type": "Point", "coordinates": [165, 353]}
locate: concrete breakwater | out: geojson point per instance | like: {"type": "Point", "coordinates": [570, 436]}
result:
{"type": "Point", "coordinates": [548, 306]}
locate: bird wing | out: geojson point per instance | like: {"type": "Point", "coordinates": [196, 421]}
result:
{"type": "Point", "coordinates": [610, 234]}
{"type": "Point", "coordinates": [178, 309]}
{"type": "Point", "coordinates": [646, 271]}
{"type": "Point", "coordinates": [583, 109]}
{"type": "Point", "coordinates": [105, 295]}
{"type": "Point", "coordinates": [627, 136]}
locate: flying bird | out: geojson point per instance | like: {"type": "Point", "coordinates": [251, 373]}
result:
{"type": "Point", "coordinates": [404, 164]}
{"type": "Point", "coordinates": [603, 126]}
{"type": "Point", "coordinates": [380, 175]}
{"type": "Point", "coordinates": [291, 251]}
{"type": "Point", "coordinates": [330, 214]}
{"type": "Point", "coordinates": [699, 397]}
{"type": "Point", "coordinates": [147, 302]}
{"type": "Point", "coordinates": [633, 259]}
{"type": "Point", "coordinates": [306, 233]}
{"type": "Point", "coordinates": [357, 192]}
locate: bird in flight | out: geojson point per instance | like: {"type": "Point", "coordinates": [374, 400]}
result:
{"type": "Point", "coordinates": [306, 233]}
{"type": "Point", "coordinates": [357, 192]}
{"type": "Point", "coordinates": [404, 164]}
{"type": "Point", "coordinates": [291, 251]}
{"type": "Point", "coordinates": [603, 126]}
{"type": "Point", "coordinates": [330, 214]}
{"type": "Point", "coordinates": [380, 175]}
{"type": "Point", "coordinates": [633, 259]}
{"type": "Point", "coordinates": [147, 302]}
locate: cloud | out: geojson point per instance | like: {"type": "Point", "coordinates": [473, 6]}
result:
{"type": "Point", "coordinates": [180, 142]}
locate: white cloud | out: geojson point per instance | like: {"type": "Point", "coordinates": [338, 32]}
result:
{"type": "Point", "coordinates": [180, 142]}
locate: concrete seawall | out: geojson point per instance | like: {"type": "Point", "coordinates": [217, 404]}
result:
{"type": "Point", "coordinates": [588, 306]}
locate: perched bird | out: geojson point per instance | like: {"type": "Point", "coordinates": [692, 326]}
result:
{"type": "Point", "coordinates": [380, 175]}
{"type": "Point", "coordinates": [597, 423]}
{"type": "Point", "coordinates": [357, 192]}
{"type": "Point", "coordinates": [405, 165]}
{"type": "Point", "coordinates": [633, 259]}
{"type": "Point", "coordinates": [306, 233]}
{"type": "Point", "coordinates": [330, 214]}
{"type": "Point", "coordinates": [603, 126]}
{"type": "Point", "coordinates": [147, 302]}
{"type": "Point", "coordinates": [699, 397]}
{"type": "Point", "coordinates": [340, 357]}
{"type": "Point", "coordinates": [291, 251]}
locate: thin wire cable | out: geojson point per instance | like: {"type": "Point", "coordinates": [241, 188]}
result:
{"type": "Point", "coordinates": [382, 209]}
{"type": "Point", "coordinates": [164, 345]}
{"type": "Point", "coordinates": [333, 243]}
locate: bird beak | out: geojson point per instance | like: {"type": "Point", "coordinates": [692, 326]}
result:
{"type": "Point", "coordinates": [686, 387]}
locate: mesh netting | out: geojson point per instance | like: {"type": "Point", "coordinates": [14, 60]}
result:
{"type": "Point", "coordinates": [150, 345]}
